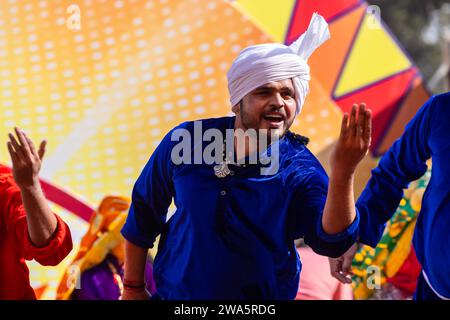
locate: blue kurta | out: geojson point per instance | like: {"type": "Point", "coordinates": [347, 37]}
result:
{"type": "Point", "coordinates": [426, 136]}
{"type": "Point", "coordinates": [232, 237]}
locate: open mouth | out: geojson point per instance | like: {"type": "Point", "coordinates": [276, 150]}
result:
{"type": "Point", "coordinates": [275, 120]}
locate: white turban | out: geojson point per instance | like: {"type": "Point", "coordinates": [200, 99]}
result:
{"type": "Point", "coordinates": [264, 63]}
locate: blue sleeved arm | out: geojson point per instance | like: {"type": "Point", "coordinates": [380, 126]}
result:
{"type": "Point", "coordinates": [404, 162]}
{"type": "Point", "coordinates": [151, 197]}
{"type": "Point", "coordinates": [308, 204]}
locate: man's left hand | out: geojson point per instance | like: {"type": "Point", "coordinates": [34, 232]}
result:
{"type": "Point", "coordinates": [354, 141]}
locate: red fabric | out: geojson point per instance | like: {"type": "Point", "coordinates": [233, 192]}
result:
{"type": "Point", "coordinates": [16, 246]}
{"type": "Point", "coordinates": [408, 274]}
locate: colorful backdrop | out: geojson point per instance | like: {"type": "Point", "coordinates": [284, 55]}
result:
{"type": "Point", "coordinates": [104, 80]}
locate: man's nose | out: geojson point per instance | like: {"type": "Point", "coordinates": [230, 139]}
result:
{"type": "Point", "coordinates": [277, 100]}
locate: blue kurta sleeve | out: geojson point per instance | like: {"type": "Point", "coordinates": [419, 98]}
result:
{"type": "Point", "coordinates": [307, 208]}
{"type": "Point", "coordinates": [151, 197]}
{"type": "Point", "coordinates": [404, 162]}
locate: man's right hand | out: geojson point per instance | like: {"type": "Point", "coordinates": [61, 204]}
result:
{"type": "Point", "coordinates": [340, 268]}
{"type": "Point", "coordinates": [26, 160]}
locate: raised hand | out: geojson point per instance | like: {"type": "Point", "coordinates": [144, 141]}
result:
{"type": "Point", "coordinates": [351, 147]}
{"type": "Point", "coordinates": [26, 161]}
{"type": "Point", "coordinates": [354, 140]}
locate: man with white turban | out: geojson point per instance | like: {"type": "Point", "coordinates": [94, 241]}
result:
{"type": "Point", "coordinates": [264, 63]}
{"type": "Point", "coordinates": [232, 234]}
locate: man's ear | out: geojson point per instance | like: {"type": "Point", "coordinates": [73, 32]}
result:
{"type": "Point", "coordinates": [236, 107]}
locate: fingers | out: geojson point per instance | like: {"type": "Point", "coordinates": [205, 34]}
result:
{"type": "Point", "coordinates": [41, 151]}
{"type": "Point", "coordinates": [24, 143]}
{"type": "Point", "coordinates": [352, 124]}
{"type": "Point", "coordinates": [347, 265]}
{"type": "Point", "coordinates": [361, 119]}
{"type": "Point", "coordinates": [334, 267]}
{"type": "Point", "coordinates": [31, 145]}
{"type": "Point", "coordinates": [22, 147]}
{"type": "Point", "coordinates": [16, 146]}
{"type": "Point", "coordinates": [345, 278]}
{"type": "Point", "coordinates": [12, 153]}
{"type": "Point", "coordinates": [360, 123]}
{"type": "Point", "coordinates": [340, 276]}
{"type": "Point", "coordinates": [337, 270]}
{"type": "Point", "coordinates": [344, 124]}
{"type": "Point", "coordinates": [368, 127]}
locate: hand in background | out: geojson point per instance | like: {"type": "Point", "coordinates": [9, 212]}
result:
{"type": "Point", "coordinates": [340, 268]}
{"type": "Point", "coordinates": [26, 161]}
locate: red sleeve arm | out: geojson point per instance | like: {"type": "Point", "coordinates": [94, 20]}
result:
{"type": "Point", "coordinates": [54, 252]}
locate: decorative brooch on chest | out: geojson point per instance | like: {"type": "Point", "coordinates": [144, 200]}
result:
{"type": "Point", "coordinates": [221, 170]}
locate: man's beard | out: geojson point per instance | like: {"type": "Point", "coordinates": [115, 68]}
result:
{"type": "Point", "coordinates": [265, 136]}
{"type": "Point", "coordinates": [248, 125]}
